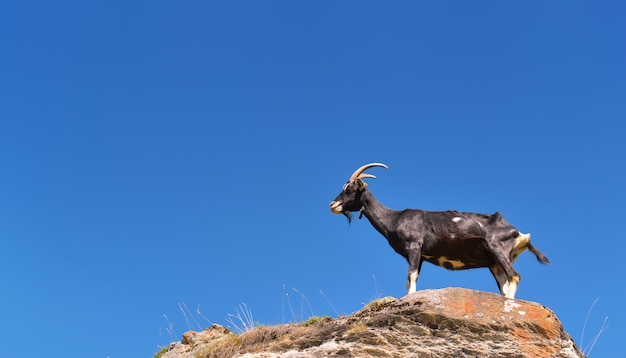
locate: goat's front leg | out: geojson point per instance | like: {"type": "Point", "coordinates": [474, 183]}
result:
{"type": "Point", "coordinates": [415, 264]}
{"type": "Point", "coordinates": [411, 281]}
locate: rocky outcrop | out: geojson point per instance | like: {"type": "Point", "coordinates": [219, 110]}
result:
{"type": "Point", "coordinates": [450, 322]}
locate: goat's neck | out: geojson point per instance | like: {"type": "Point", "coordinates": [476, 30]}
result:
{"type": "Point", "coordinates": [378, 215]}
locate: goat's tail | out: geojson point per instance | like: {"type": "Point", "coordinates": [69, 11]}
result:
{"type": "Point", "coordinates": [540, 256]}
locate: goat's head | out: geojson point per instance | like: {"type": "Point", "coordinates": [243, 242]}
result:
{"type": "Point", "coordinates": [349, 199]}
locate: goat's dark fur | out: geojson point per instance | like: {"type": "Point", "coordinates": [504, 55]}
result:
{"type": "Point", "coordinates": [451, 239]}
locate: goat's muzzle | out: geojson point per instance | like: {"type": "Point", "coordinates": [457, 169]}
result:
{"type": "Point", "coordinates": [336, 207]}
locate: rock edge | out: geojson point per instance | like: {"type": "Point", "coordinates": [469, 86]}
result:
{"type": "Point", "coordinates": [450, 322]}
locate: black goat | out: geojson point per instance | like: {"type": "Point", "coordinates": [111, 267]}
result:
{"type": "Point", "coordinates": [450, 239]}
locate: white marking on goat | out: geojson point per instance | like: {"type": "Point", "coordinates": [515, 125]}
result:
{"type": "Point", "coordinates": [521, 242]}
{"type": "Point", "coordinates": [410, 283]}
{"type": "Point", "coordinates": [456, 219]}
{"type": "Point", "coordinates": [510, 287]}
{"type": "Point", "coordinates": [336, 207]}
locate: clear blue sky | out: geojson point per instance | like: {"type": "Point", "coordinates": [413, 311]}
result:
{"type": "Point", "coordinates": [156, 154]}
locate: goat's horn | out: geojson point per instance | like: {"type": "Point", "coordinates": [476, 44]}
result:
{"type": "Point", "coordinates": [358, 174]}
{"type": "Point", "coordinates": [366, 175]}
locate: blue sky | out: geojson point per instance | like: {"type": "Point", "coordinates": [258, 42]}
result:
{"type": "Point", "coordinates": [159, 155]}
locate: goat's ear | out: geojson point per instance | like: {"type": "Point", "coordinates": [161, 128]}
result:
{"type": "Point", "coordinates": [361, 184]}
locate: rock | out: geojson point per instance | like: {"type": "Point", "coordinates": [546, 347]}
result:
{"type": "Point", "coordinates": [450, 322]}
{"type": "Point", "coordinates": [192, 341]}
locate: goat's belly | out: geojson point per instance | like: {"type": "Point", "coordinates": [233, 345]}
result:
{"type": "Point", "coordinates": [460, 255]}
{"type": "Point", "coordinates": [455, 264]}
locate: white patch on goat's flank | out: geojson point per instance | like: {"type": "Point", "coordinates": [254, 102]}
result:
{"type": "Point", "coordinates": [456, 219]}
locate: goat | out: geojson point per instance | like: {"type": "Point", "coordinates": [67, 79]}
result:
{"type": "Point", "coordinates": [450, 239]}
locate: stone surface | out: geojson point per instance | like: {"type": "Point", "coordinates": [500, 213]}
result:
{"type": "Point", "coordinates": [450, 322]}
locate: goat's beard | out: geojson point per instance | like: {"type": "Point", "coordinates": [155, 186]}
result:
{"type": "Point", "coordinates": [348, 215]}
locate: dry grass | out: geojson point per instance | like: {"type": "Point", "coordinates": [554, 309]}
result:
{"type": "Point", "coordinates": [248, 337]}
{"type": "Point", "coordinates": [316, 319]}
{"type": "Point", "coordinates": [225, 347]}
{"type": "Point", "coordinates": [375, 306]}
{"type": "Point", "coordinates": [254, 340]}
{"type": "Point", "coordinates": [242, 321]}
{"type": "Point", "coordinates": [589, 347]}
{"type": "Point", "coordinates": [356, 327]}
{"type": "Point", "coordinates": [262, 335]}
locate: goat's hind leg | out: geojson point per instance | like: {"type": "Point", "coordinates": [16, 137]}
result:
{"type": "Point", "coordinates": [503, 268]}
{"type": "Point", "coordinates": [510, 286]}
{"type": "Point", "coordinates": [507, 288]}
